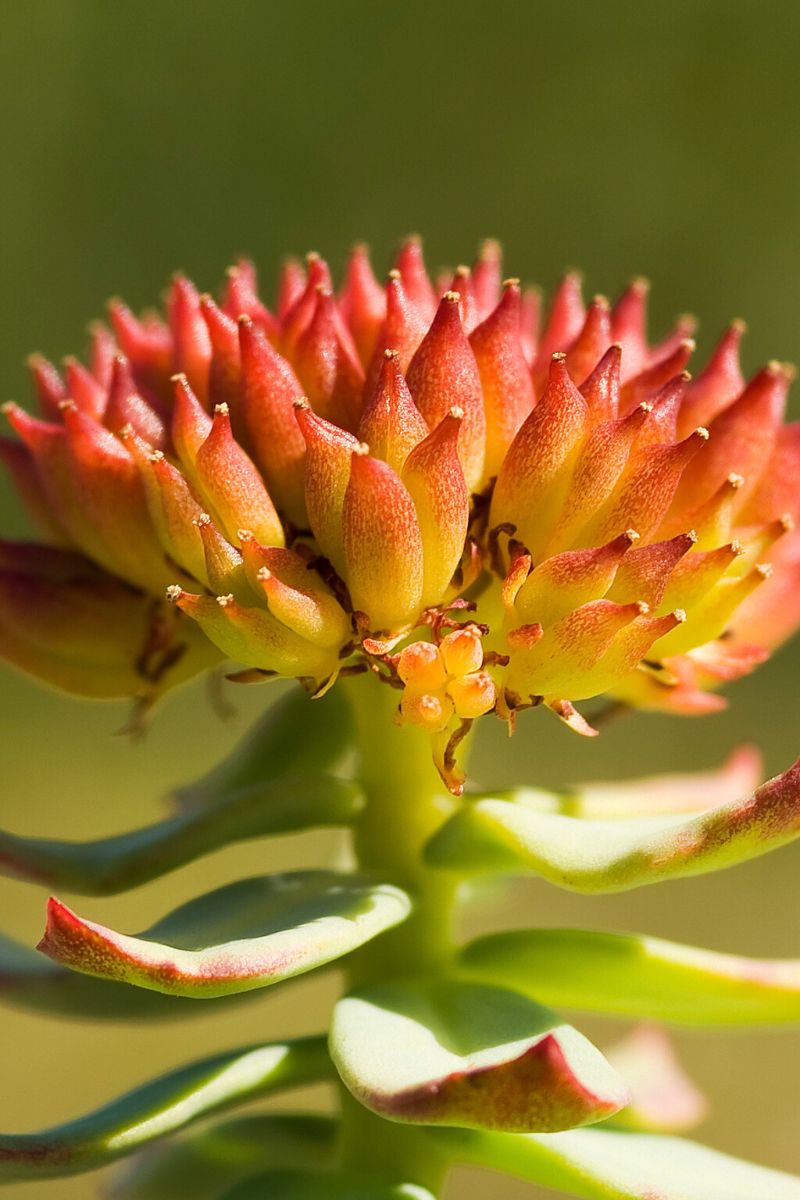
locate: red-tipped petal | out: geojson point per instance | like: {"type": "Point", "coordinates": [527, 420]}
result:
{"type": "Point", "coordinates": [391, 424]}
{"type": "Point", "coordinates": [416, 282]}
{"type": "Point", "coordinates": [435, 480]}
{"type": "Point", "coordinates": [382, 544]}
{"type": "Point", "coordinates": [233, 485]}
{"type": "Point", "coordinates": [329, 451]}
{"type": "Point", "coordinates": [535, 474]}
{"type": "Point", "coordinates": [362, 304]}
{"type": "Point", "coordinates": [505, 377]}
{"type": "Point", "coordinates": [191, 424]}
{"type": "Point", "coordinates": [331, 377]}
{"type": "Point", "coordinates": [718, 384]}
{"type": "Point", "coordinates": [564, 322]}
{"type": "Point", "coordinates": [191, 345]}
{"type": "Point", "coordinates": [444, 374]}
{"type": "Point", "coordinates": [126, 407]}
{"type": "Point", "coordinates": [593, 340]}
{"type": "Point", "coordinates": [269, 390]}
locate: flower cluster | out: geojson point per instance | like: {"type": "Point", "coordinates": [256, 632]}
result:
{"type": "Point", "coordinates": [319, 488]}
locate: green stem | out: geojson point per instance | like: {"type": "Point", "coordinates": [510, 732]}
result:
{"type": "Point", "coordinates": [406, 803]}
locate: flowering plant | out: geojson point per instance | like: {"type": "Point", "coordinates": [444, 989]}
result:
{"type": "Point", "coordinates": [426, 510]}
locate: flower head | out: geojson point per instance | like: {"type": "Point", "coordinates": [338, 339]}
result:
{"type": "Point", "coordinates": [408, 480]}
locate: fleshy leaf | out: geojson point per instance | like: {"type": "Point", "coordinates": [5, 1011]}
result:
{"type": "Point", "coordinates": [613, 855]}
{"type": "Point", "coordinates": [302, 1185]}
{"type": "Point", "coordinates": [162, 1107]}
{"type": "Point", "coordinates": [454, 1053]}
{"type": "Point", "coordinates": [632, 975]}
{"type": "Point", "coordinates": [663, 1097]}
{"type": "Point", "coordinates": [35, 984]}
{"type": "Point", "coordinates": [202, 1164]}
{"type": "Point", "coordinates": [596, 1164]}
{"type": "Point", "coordinates": [246, 935]}
{"type": "Point", "coordinates": [114, 864]}
{"type": "Point", "coordinates": [293, 737]}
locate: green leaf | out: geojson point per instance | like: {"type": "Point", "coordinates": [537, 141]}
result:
{"type": "Point", "coordinates": [684, 791]}
{"type": "Point", "coordinates": [613, 855]}
{"type": "Point", "coordinates": [631, 975]}
{"type": "Point", "coordinates": [302, 1185]}
{"type": "Point", "coordinates": [596, 1164]}
{"type": "Point", "coordinates": [162, 1107]}
{"type": "Point", "coordinates": [202, 1164]}
{"type": "Point", "coordinates": [294, 736]}
{"type": "Point", "coordinates": [453, 1053]}
{"type": "Point", "coordinates": [246, 935]}
{"type": "Point", "coordinates": [33, 983]}
{"type": "Point", "coordinates": [115, 864]}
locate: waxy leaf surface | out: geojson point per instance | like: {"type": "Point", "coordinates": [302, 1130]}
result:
{"type": "Point", "coordinates": [36, 984]}
{"type": "Point", "coordinates": [246, 935]}
{"type": "Point", "coordinates": [613, 855]}
{"type": "Point", "coordinates": [162, 1107]}
{"type": "Point", "coordinates": [301, 1185]}
{"type": "Point", "coordinates": [462, 1054]}
{"type": "Point", "coordinates": [203, 1164]}
{"type": "Point", "coordinates": [115, 864]}
{"type": "Point", "coordinates": [632, 975]}
{"type": "Point", "coordinates": [599, 1164]}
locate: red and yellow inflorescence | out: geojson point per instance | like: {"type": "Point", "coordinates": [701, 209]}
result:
{"type": "Point", "coordinates": [413, 480]}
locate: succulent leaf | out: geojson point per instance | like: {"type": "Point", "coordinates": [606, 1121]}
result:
{"type": "Point", "coordinates": [599, 1164]}
{"type": "Point", "coordinates": [246, 935]}
{"type": "Point", "coordinates": [610, 856]}
{"type": "Point", "coordinates": [454, 1053]}
{"type": "Point", "coordinates": [302, 1185]}
{"type": "Point", "coordinates": [202, 1164]}
{"type": "Point", "coordinates": [33, 983]}
{"type": "Point", "coordinates": [631, 975]}
{"type": "Point", "coordinates": [115, 864]}
{"type": "Point", "coordinates": [162, 1107]}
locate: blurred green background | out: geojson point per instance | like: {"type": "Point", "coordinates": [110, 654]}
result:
{"type": "Point", "coordinates": [622, 137]}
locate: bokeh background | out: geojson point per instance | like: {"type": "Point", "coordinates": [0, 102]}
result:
{"type": "Point", "coordinates": [623, 137]}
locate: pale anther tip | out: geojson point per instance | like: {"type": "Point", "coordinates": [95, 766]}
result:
{"type": "Point", "coordinates": [361, 450]}
{"type": "Point", "coordinates": [222, 410]}
{"type": "Point", "coordinates": [174, 592]}
{"type": "Point", "coordinates": [680, 615]}
{"type": "Point", "coordinates": [456, 412]}
{"type": "Point", "coordinates": [202, 520]}
{"type": "Point", "coordinates": [394, 274]}
{"type": "Point", "coordinates": [702, 433]}
{"type": "Point", "coordinates": [452, 297]}
{"type": "Point", "coordinates": [155, 456]}
{"type": "Point", "coordinates": [301, 402]}
{"type": "Point", "coordinates": [244, 535]}
{"type": "Point", "coordinates": [692, 536]}
{"type": "Point", "coordinates": [244, 319]}
{"type": "Point", "coordinates": [735, 481]}
{"type": "Point", "coordinates": [512, 282]}
{"type": "Point", "coordinates": [263, 573]}
{"type": "Point", "coordinates": [631, 535]}
{"type": "Point", "coordinates": [764, 570]}
{"type": "Point", "coordinates": [178, 378]}
{"type": "Point", "coordinates": [224, 601]}
{"type": "Point", "coordinates": [391, 353]}
{"type": "Point", "coordinates": [558, 356]}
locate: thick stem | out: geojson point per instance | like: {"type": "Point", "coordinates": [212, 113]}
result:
{"type": "Point", "coordinates": [406, 804]}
